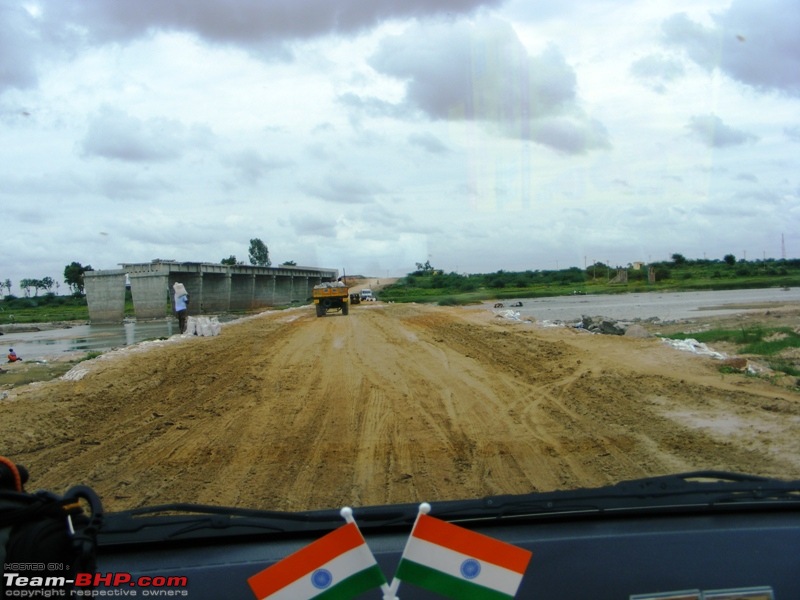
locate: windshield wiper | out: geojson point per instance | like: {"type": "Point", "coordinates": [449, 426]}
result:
{"type": "Point", "coordinates": [695, 491]}
{"type": "Point", "coordinates": [698, 490]}
{"type": "Point", "coordinates": [178, 521]}
{"type": "Point", "coordinates": [181, 520]}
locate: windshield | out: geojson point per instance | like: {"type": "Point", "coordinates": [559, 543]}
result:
{"type": "Point", "coordinates": [296, 255]}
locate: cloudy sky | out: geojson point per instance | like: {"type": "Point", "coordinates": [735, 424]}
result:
{"type": "Point", "coordinates": [369, 135]}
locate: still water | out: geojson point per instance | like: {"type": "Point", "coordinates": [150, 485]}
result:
{"type": "Point", "coordinates": [666, 306]}
{"type": "Point", "coordinates": [41, 345]}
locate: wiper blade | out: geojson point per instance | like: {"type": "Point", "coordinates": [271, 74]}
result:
{"type": "Point", "coordinates": [699, 490]}
{"type": "Point", "coordinates": [177, 521]}
{"type": "Point", "coordinates": [707, 490]}
{"type": "Point", "coordinates": [172, 521]}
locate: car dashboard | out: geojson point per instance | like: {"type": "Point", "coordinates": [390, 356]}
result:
{"type": "Point", "coordinates": [729, 537]}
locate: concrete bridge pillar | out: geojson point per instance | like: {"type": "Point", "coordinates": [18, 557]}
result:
{"type": "Point", "coordinates": [304, 287]}
{"type": "Point", "coordinates": [283, 289]}
{"type": "Point", "coordinates": [242, 294]}
{"type": "Point", "coordinates": [151, 295]}
{"type": "Point", "coordinates": [264, 290]}
{"type": "Point", "coordinates": [216, 292]}
{"type": "Point", "coordinates": [105, 295]}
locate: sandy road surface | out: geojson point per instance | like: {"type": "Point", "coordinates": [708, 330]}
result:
{"type": "Point", "coordinates": [394, 403]}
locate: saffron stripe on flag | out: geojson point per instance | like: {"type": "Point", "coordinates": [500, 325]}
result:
{"type": "Point", "coordinates": [438, 559]}
{"type": "Point", "coordinates": [468, 542]}
{"type": "Point", "coordinates": [348, 578]}
{"type": "Point", "coordinates": [305, 560]}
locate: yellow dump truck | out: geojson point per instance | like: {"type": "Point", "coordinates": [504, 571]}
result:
{"type": "Point", "coordinates": [331, 296]}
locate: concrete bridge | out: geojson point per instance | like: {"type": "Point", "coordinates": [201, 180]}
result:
{"type": "Point", "coordinates": [213, 288]}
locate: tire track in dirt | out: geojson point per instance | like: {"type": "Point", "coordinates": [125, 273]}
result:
{"type": "Point", "coordinates": [540, 431]}
{"type": "Point", "coordinates": [394, 403]}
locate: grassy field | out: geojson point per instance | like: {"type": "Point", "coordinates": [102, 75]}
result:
{"type": "Point", "coordinates": [766, 342]}
{"type": "Point", "coordinates": [49, 308]}
{"type": "Point", "coordinates": [34, 372]}
{"type": "Point", "coordinates": [450, 292]}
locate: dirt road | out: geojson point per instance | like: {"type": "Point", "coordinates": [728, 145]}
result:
{"type": "Point", "coordinates": [394, 403]}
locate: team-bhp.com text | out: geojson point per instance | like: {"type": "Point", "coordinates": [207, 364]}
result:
{"type": "Point", "coordinates": [18, 585]}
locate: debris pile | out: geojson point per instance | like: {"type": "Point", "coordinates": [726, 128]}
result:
{"type": "Point", "coordinates": [693, 346]}
{"type": "Point", "coordinates": [610, 326]}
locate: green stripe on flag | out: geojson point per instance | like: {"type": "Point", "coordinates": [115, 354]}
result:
{"type": "Point", "coordinates": [444, 584]}
{"type": "Point", "coordinates": [354, 585]}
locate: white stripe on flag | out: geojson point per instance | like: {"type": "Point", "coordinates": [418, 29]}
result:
{"type": "Point", "coordinates": [343, 566]}
{"type": "Point", "coordinates": [449, 561]}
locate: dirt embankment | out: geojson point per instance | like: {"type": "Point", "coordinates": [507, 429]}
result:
{"type": "Point", "coordinates": [394, 403]}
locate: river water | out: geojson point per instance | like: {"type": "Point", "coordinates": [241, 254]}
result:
{"type": "Point", "coordinates": [666, 306]}
{"type": "Point", "coordinates": [46, 345]}
{"type": "Point", "coordinates": [50, 343]}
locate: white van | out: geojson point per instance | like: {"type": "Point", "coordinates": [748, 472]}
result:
{"type": "Point", "coordinates": [366, 296]}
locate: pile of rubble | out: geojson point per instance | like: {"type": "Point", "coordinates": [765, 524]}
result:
{"type": "Point", "coordinates": [609, 326]}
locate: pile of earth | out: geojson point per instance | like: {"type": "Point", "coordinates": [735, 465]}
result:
{"type": "Point", "coordinates": [393, 403]}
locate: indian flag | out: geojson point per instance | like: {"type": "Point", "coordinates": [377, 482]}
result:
{"type": "Point", "coordinates": [337, 566]}
{"type": "Point", "coordinates": [459, 563]}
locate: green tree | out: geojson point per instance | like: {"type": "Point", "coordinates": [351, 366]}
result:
{"type": "Point", "coordinates": [259, 253]}
{"type": "Point", "coordinates": [729, 259]}
{"type": "Point", "coordinates": [598, 269]}
{"type": "Point", "coordinates": [6, 284]}
{"type": "Point", "coordinates": [38, 284]}
{"type": "Point", "coordinates": [26, 285]}
{"type": "Point", "coordinates": [425, 269]}
{"type": "Point", "coordinates": [231, 260]}
{"type": "Point", "coordinates": [679, 259]}
{"type": "Point", "coordinates": [288, 263]}
{"type": "Point", "coordinates": [73, 276]}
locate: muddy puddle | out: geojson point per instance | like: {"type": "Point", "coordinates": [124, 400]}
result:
{"type": "Point", "coordinates": [50, 344]}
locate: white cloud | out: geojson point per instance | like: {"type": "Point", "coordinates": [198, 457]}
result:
{"type": "Point", "coordinates": [482, 72]}
{"type": "Point", "coordinates": [373, 134]}
{"type": "Point", "coordinates": [341, 188]}
{"type": "Point", "coordinates": [428, 142]}
{"type": "Point", "coordinates": [258, 25]}
{"type": "Point", "coordinates": [115, 135]}
{"type": "Point", "coordinates": [17, 38]}
{"type": "Point", "coordinates": [711, 131]}
{"type": "Point", "coordinates": [792, 132]}
{"type": "Point", "coordinates": [753, 42]}
{"type": "Point", "coordinates": [251, 167]}
{"type": "Point", "coordinates": [657, 71]}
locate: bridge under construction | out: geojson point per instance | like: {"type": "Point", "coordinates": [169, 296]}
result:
{"type": "Point", "coordinates": [213, 288]}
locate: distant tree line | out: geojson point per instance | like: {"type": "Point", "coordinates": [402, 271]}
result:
{"type": "Point", "coordinates": [44, 284]}
{"type": "Point", "coordinates": [73, 277]}
{"type": "Point", "coordinates": [679, 268]}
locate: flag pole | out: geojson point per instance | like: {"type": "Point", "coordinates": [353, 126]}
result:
{"type": "Point", "coordinates": [347, 514]}
{"type": "Point", "coordinates": [388, 593]}
{"type": "Point", "coordinates": [424, 509]}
